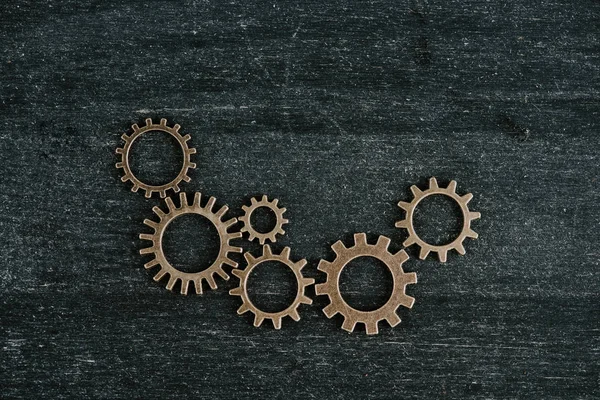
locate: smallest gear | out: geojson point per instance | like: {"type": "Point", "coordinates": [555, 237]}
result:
{"type": "Point", "coordinates": [253, 233]}
{"type": "Point", "coordinates": [242, 290]}
{"type": "Point", "coordinates": [456, 244]}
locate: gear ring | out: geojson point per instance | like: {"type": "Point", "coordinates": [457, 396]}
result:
{"type": "Point", "coordinates": [272, 205]}
{"type": "Point", "coordinates": [331, 287]}
{"type": "Point", "coordinates": [456, 244]}
{"type": "Point", "coordinates": [159, 257]}
{"type": "Point", "coordinates": [242, 291]}
{"type": "Point", "coordinates": [137, 132]}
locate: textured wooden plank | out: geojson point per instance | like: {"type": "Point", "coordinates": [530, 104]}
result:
{"type": "Point", "coordinates": [335, 108]}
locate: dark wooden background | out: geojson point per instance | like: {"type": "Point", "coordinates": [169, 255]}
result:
{"type": "Point", "coordinates": [335, 108]}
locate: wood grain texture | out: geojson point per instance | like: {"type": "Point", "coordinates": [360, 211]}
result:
{"type": "Point", "coordinates": [335, 108]}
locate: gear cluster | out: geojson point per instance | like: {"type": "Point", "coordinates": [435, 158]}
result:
{"type": "Point", "coordinates": [332, 269]}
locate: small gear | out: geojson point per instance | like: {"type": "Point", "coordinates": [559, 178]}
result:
{"type": "Point", "coordinates": [137, 132]}
{"type": "Point", "coordinates": [334, 269]}
{"type": "Point", "coordinates": [426, 248]}
{"type": "Point", "coordinates": [159, 230]}
{"type": "Point", "coordinates": [277, 229]}
{"type": "Point", "coordinates": [242, 291]}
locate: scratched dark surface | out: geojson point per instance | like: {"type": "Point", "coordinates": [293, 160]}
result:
{"type": "Point", "coordinates": [336, 108]}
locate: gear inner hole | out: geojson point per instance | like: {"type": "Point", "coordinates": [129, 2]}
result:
{"type": "Point", "coordinates": [366, 283]}
{"type": "Point", "coordinates": [438, 219]}
{"type": "Point", "coordinates": [155, 158]}
{"type": "Point", "coordinates": [191, 243]}
{"type": "Point", "coordinates": [272, 286]}
{"type": "Point", "coordinates": [263, 220]}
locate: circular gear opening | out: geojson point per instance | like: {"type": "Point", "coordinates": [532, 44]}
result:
{"type": "Point", "coordinates": [438, 219]}
{"type": "Point", "coordinates": [272, 286]}
{"type": "Point", "coordinates": [263, 220]}
{"type": "Point", "coordinates": [366, 283]}
{"type": "Point", "coordinates": [191, 243]}
{"type": "Point", "coordinates": [155, 158]}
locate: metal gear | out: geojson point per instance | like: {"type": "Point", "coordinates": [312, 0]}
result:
{"type": "Point", "coordinates": [137, 132]}
{"type": "Point", "coordinates": [277, 229]}
{"type": "Point", "coordinates": [242, 291]}
{"type": "Point", "coordinates": [159, 229]}
{"type": "Point", "coordinates": [331, 287]}
{"type": "Point", "coordinates": [456, 244]}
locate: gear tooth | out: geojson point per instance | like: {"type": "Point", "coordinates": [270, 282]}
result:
{"type": "Point", "coordinates": [324, 266]}
{"type": "Point", "coordinates": [163, 194]}
{"type": "Point", "coordinates": [197, 197]}
{"type": "Point", "coordinates": [300, 264]}
{"type": "Point", "coordinates": [253, 201]}
{"type": "Point", "coordinates": [192, 165]}
{"type": "Point", "coordinates": [148, 193]}
{"type": "Point", "coordinates": [306, 300]}
{"type": "Point", "coordinates": [186, 138]}
{"type": "Point", "coordinates": [360, 239]}
{"type": "Point", "coordinates": [230, 262]}
{"type": "Point", "coordinates": [183, 199]}
{"type": "Point", "coordinates": [245, 209]}
{"type": "Point", "coordinates": [383, 242]}
{"type": "Point", "coordinates": [222, 211]}
{"type": "Point", "coordinates": [443, 255]}
{"type": "Point", "coordinates": [467, 198]}
{"type": "Point", "coordinates": [160, 274]}
{"type": "Point", "coordinates": [243, 309]}
{"type": "Point", "coordinates": [135, 128]}
{"type": "Point", "coordinates": [407, 301]}
{"type": "Point", "coordinates": [401, 257]}
{"type": "Point", "coordinates": [452, 186]}
{"type": "Point", "coordinates": [234, 249]}
{"type": "Point", "coordinates": [284, 221]}
{"type": "Point", "coordinates": [171, 283]}
{"type": "Point", "coordinates": [307, 281]}
{"type": "Point", "coordinates": [416, 191]}
{"type": "Point", "coordinates": [279, 231]}
{"type": "Point", "coordinates": [282, 210]}
{"type": "Point", "coordinates": [402, 224]}
{"type": "Point", "coordinates": [191, 151]}
{"type": "Point", "coordinates": [222, 274]}
{"type": "Point", "coordinates": [276, 322]}
{"type": "Point", "coordinates": [120, 164]}
{"type": "Point", "coordinates": [198, 286]}
{"type": "Point", "coordinates": [230, 222]}
{"type": "Point", "coordinates": [159, 212]}
{"type": "Point", "coordinates": [460, 249]}
{"type": "Point", "coordinates": [238, 273]}
{"type": "Point", "coordinates": [274, 202]}
{"type": "Point", "coordinates": [249, 258]}
{"type": "Point", "coordinates": [148, 121]}
{"type": "Point", "coordinates": [348, 324]}
{"type": "Point", "coordinates": [135, 188]}
{"type": "Point", "coordinates": [145, 236]}
{"type": "Point", "coordinates": [423, 253]}
{"type": "Point", "coordinates": [474, 215]}
{"type": "Point", "coordinates": [433, 183]}
{"type": "Point", "coordinates": [186, 178]}
{"type": "Point", "coordinates": [151, 224]}
{"type": "Point", "coordinates": [321, 289]}
{"type": "Point", "coordinates": [119, 150]}
{"type": "Point", "coordinates": [176, 188]}
{"type": "Point", "coordinates": [410, 278]}
{"type": "Point", "coordinates": [267, 251]}
{"type": "Point", "coordinates": [472, 234]}
{"type": "Point", "coordinates": [372, 328]}
{"type": "Point", "coordinates": [125, 178]}
{"type": "Point", "coordinates": [236, 291]}
{"type": "Point", "coordinates": [125, 137]}
{"type": "Point", "coordinates": [163, 121]}
{"type": "Point", "coordinates": [392, 319]}
{"type": "Point", "coordinates": [285, 253]}
{"type": "Point", "coordinates": [258, 320]}
{"type": "Point", "coordinates": [147, 250]}
{"type": "Point", "coordinates": [176, 128]}
{"type": "Point", "coordinates": [404, 205]}
{"type": "Point", "coordinates": [330, 311]}
{"type": "Point", "coordinates": [409, 241]}
{"type": "Point", "coordinates": [210, 204]}
{"type": "Point", "coordinates": [294, 315]}
{"type": "Point", "coordinates": [184, 286]}
{"type": "Point", "coordinates": [151, 264]}
{"type": "Point", "coordinates": [338, 247]}
{"type": "Point", "coordinates": [264, 198]}
{"type": "Point", "coordinates": [211, 282]}
{"type": "Point", "coordinates": [170, 204]}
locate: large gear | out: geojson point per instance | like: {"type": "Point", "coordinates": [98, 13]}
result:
{"type": "Point", "coordinates": [331, 287]}
{"type": "Point", "coordinates": [253, 233]}
{"type": "Point", "coordinates": [125, 150]}
{"type": "Point", "coordinates": [159, 229]}
{"type": "Point", "coordinates": [242, 290]}
{"type": "Point", "coordinates": [456, 244]}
